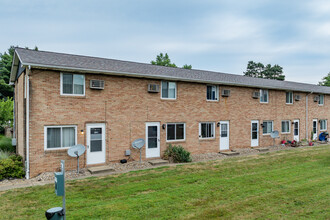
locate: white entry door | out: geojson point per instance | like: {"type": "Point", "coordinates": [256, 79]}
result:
{"type": "Point", "coordinates": [95, 143]}
{"type": "Point", "coordinates": [224, 135]}
{"type": "Point", "coordinates": [296, 130]}
{"type": "Point", "coordinates": [152, 139]}
{"type": "Point", "coordinates": [254, 133]}
{"type": "Point", "coordinates": [314, 129]}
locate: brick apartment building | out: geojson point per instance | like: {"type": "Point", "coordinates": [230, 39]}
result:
{"type": "Point", "coordinates": [62, 100]}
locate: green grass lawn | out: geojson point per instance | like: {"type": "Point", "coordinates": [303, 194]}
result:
{"type": "Point", "coordinates": [293, 184]}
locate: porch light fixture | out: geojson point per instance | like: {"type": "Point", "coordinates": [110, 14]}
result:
{"type": "Point", "coordinates": [218, 124]}
{"type": "Point", "coordinates": [163, 126]}
{"type": "Point", "coordinates": [81, 131]}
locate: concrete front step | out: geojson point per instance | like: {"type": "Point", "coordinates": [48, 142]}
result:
{"type": "Point", "coordinates": [229, 153]}
{"type": "Point", "coordinates": [261, 149]}
{"type": "Point", "coordinates": [158, 162]}
{"type": "Point", "coordinates": [101, 169]}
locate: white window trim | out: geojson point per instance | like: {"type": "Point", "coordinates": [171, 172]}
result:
{"type": "Point", "coordinates": [161, 90]}
{"type": "Point", "coordinates": [267, 95]}
{"type": "Point", "coordinates": [289, 127]}
{"type": "Point", "coordinates": [58, 126]}
{"type": "Point", "coordinates": [61, 82]}
{"type": "Point", "coordinates": [320, 100]}
{"type": "Point", "coordinates": [272, 127]}
{"type": "Point", "coordinates": [288, 103]}
{"type": "Point", "coordinates": [216, 92]}
{"type": "Point", "coordinates": [184, 133]}
{"type": "Point", "coordinates": [200, 130]}
{"type": "Point", "coordinates": [326, 125]}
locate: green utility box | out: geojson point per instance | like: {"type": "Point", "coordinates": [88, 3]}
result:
{"type": "Point", "coordinates": [59, 184]}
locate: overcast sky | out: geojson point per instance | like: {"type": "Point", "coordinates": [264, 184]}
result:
{"type": "Point", "coordinates": [210, 35]}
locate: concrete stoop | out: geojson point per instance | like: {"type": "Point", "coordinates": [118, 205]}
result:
{"type": "Point", "coordinates": [229, 153]}
{"type": "Point", "coordinates": [158, 162]}
{"type": "Point", "coordinates": [261, 149]}
{"type": "Point", "coordinates": [101, 169]}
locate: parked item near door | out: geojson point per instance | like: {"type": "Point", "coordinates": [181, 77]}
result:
{"type": "Point", "coordinates": [324, 136]}
{"type": "Point", "coordinates": [123, 161]}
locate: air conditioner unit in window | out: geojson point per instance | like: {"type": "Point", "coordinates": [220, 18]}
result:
{"type": "Point", "coordinates": [225, 92]}
{"type": "Point", "coordinates": [96, 84]}
{"type": "Point", "coordinates": [297, 97]}
{"type": "Point", "coordinates": [153, 88]}
{"type": "Point", "coordinates": [316, 98]}
{"type": "Point", "coordinates": [255, 95]}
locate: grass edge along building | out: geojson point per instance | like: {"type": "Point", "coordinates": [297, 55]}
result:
{"type": "Point", "coordinates": [63, 99]}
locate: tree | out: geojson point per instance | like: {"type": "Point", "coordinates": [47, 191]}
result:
{"type": "Point", "coordinates": [6, 112]}
{"type": "Point", "coordinates": [259, 70]}
{"type": "Point", "coordinates": [325, 81]}
{"type": "Point", "coordinates": [164, 60]}
{"type": "Point", "coordinates": [6, 60]}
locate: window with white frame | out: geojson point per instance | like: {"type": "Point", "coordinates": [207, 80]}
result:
{"type": "Point", "coordinates": [267, 127]}
{"type": "Point", "coordinates": [263, 96]}
{"type": "Point", "coordinates": [286, 126]}
{"type": "Point", "coordinates": [175, 131]}
{"type": "Point", "coordinates": [323, 125]}
{"type": "Point", "coordinates": [289, 97]}
{"type": "Point", "coordinates": [212, 93]}
{"type": "Point", "coordinates": [60, 136]}
{"type": "Point", "coordinates": [321, 99]}
{"type": "Point", "coordinates": [206, 130]}
{"type": "Point", "coordinates": [168, 90]}
{"type": "Point", "coordinates": [72, 84]}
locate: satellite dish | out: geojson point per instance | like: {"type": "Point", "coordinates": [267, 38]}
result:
{"type": "Point", "coordinates": [138, 144]}
{"type": "Point", "coordinates": [274, 135]}
{"type": "Point", "coordinates": [77, 151]}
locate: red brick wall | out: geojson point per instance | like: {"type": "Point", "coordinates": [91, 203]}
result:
{"type": "Point", "coordinates": [125, 105]}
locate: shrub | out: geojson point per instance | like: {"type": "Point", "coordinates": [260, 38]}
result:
{"type": "Point", "coordinates": [4, 154]}
{"type": "Point", "coordinates": [5, 144]}
{"type": "Point", "coordinates": [12, 167]}
{"type": "Point", "coordinates": [177, 154]}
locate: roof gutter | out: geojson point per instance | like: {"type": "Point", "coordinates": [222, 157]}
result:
{"type": "Point", "coordinates": [141, 75]}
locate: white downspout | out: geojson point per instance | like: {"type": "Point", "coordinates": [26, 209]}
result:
{"type": "Point", "coordinates": [27, 175]}
{"type": "Point", "coordinates": [307, 114]}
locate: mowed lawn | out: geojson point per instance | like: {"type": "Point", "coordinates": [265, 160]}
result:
{"type": "Point", "coordinates": [291, 184]}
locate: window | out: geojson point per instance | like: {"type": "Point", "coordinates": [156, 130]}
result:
{"type": "Point", "coordinates": [60, 136]}
{"type": "Point", "coordinates": [212, 93]}
{"type": "Point", "coordinates": [168, 90]}
{"type": "Point", "coordinates": [206, 129]}
{"type": "Point", "coordinates": [263, 96]}
{"type": "Point", "coordinates": [176, 132]}
{"type": "Point", "coordinates": [72, 84]}
{"type": "Point", "coordinates": [289, 98]}
{"type": "Point", "coordinates": [267, 127]}
{"type": "Point", "coordinates": [323, 125]}
{"type": "Point", "coordinates": [286, 126]}
{"type": "Point", "coordinates": [321, 99]}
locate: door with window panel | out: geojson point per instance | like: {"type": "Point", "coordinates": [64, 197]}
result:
{"type": "Point", "coordinates": [152, 139]}
{"type": "Point", "coordinates": [224, 135]}
{"type": "Point", "coordinates": [254, 133]}
{"type": "Point", "coordinates": [314, 129]}
{"type": "Point", "coordinates": [95, 143]}
{"type": "Point", "coordinates": [296, 130]}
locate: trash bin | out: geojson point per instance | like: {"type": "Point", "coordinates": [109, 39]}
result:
{"type": "Point", "coordinates": [55, 213]}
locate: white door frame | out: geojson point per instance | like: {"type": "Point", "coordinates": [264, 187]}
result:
{"type": "Point", "coordinates": [153, 152]}
{"type": "Point", "coordinates": [316, 128]}
{"type": "Point", "coordinates": [255, 142]}
{"type": "Point", "coordinates": [95, 157]}
{"type": "Point", "coordinates": [224, 141]}
{"type": "Point", "coordinates": [296, 137]}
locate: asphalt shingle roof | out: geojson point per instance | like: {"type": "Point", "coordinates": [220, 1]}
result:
{"type": "Point", "coordinates": [94, 64]}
